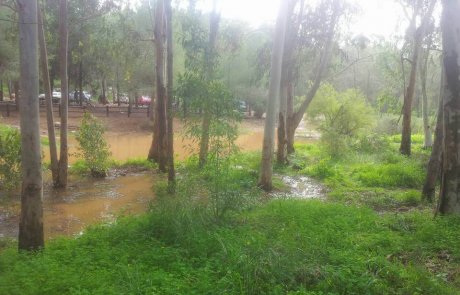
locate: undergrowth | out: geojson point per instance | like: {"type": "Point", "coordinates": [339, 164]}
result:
{"type": "Point", "coordinates": [371, 173]}
{"type": "Point", "coordinates": [284, 247]}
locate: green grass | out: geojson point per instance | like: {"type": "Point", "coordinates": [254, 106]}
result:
{"type": "Point", "coordinates": [302, 247]}
{"type": "Point", "coordinates": [378, 177]}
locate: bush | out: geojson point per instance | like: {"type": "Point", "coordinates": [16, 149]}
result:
{"type": "Point", "coordinates": [371, 143]}
{"type": "Point", "coordinates": [10, 158]}
{"type": "Point", "coordinates": [340, 117]}
{"type": "Point", "coordinates": [93, 147]}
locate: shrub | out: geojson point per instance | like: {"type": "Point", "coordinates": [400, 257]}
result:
{"type": "Point", "coordinates": [93, 147]}
{"type": "Point", "coordinates": [10, 158]}
{"type": "Point", "coordinates": [340, 117]}
{"type": "Point", "coordinates": [371, 143]}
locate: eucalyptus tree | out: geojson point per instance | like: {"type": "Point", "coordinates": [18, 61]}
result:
{"type": "Point", "coordinates": [449, 199]}
{"type": "Point", "coordinates": [48, 98]}
{"type": "Point", "coordinates": [316, 32]}
{"type": "Point", "coordinates": [435, 161]}
{"type": "Point", "coordinates": [31, 236]}
{"type": "Point", "coordinates": [159, 142]}
{"type": "Point", "coordinates": [169, 93]}
{"type": "Point", "coordinates": [210, 57]}
{"type": "Point", "coordinates": [266, 170]}
{"type": "Point", "coordinates": [416, 32]}
{"type": "Point", "coordinates": [61, 181]}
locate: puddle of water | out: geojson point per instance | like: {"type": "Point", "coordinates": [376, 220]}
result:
{"type": "Point", "coordinates": [86, 202]}
{"type": "Point", "coordinates": [301, 187]}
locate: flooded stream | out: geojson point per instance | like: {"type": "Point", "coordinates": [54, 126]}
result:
{"type": "Point", "coordinates": [88, 201]}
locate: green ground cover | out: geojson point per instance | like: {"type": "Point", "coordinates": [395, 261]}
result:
{"type": "Point", "coordinates": [371, 234]}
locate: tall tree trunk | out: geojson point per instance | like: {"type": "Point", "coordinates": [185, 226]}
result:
{"type": "Point", "coordinates": [103, 99]}
{"type": "Point", "coordinates": [169, 94]}
{"type": "Point", "coordinates": [17, 97]}
{"type": "Point", "coordinates": [281, 155]}
{"type": "Point", "coordinates": [294, 118]}
{"type": "Point", "coordinates": [428, 139]}
{"type": "Point", "coordinates": [210, 57]}
{"type": "Point", "coordinates": [48, 99]}
{"type": "Point", "coordinates": [80, 82]}
{"type": "Point", "coordinates": [434, 163]}
{"type": "Point", "coordinates": [10, 91]}
{"type": "Point", "coordinates": [158, 147]}
{"type": "Point", "coordinates": [288, 67]}
{"type": "Point", "coordinates": [265, 180]}
{"type": "Point", "coordinates": [118, 86]}
{"type": "Point", "coordinates": [405, 147]}
{"type": "Point", "coordinates": [449, 199]}
{"type": "Point", "coordinates": [63, 43]}
{"type": "Point", "coordinates": [31, 235]}
{"type": "Point", "coordinates": [1, 90]}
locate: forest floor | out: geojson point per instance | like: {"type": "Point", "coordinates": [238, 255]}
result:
{"type": "Point", "coordinates": [365, 231]}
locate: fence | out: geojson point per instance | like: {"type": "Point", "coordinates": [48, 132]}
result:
{"type": "Point", "coordinates": [7, 108]}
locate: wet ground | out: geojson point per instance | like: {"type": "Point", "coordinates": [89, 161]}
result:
{"type": "Point", "coordinates": [88, 201]}
{"type": "Point", "coordinates": [85, 202]}
{"type": "Point", "coordinates": [301, 187]}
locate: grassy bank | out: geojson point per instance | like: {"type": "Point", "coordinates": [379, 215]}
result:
{"type": "Point", "coordinates": [283, 246]}
{"type": "Point", "coordinates": [371, 235]}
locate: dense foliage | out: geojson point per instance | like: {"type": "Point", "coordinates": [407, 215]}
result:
{"type": "Point", "coordinates": [10, 158]}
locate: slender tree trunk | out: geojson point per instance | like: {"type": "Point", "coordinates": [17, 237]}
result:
{"type": "Point", "coordinates": [80, 82]}
{"type": "Point", "coordinates": [10, 92]}
{"type": "Point", "coordinates": [210, 57]}
{"type": "Point", "coordinates": [1, 90]}
{"type": "Point", "coordinates": [265, 180]}
{"type": "Point", "coordinates": [114, 95]}
{"type": "Point", "coordinates": [17, 97]}
{"type": "Point", "coordinates": [158, 147]}
{"type": "Point", "coordinates": [281, 155]}
{"type": "Point", "coordinates": [118, 86]}
{"type": "Point", "coordinates": [434, 164]}
{"type": "Point", "coordinates": [405, 147]}
{"type": "Point", "coordinates": [31, 235]}
{"type": "Point", "coordinates": [428, 140]}
{"type": "Point", "coordinates": [63, 44]}
{"type": "Point", "coordinates": [169, 90]}
{"type": "Point", "coordinates": [48, 99]}
{"type": "Point", "coordinates": [104, 92]}
{"type": "Point", "coordinates": [449, 199]}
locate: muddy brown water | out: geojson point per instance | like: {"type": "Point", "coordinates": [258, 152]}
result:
{"type": "Point", "coordinates": [88, 201]}
{"type": "Point", "coordinates": [135, 145]}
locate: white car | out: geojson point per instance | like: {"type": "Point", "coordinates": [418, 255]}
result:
{"type": "Point", "coordinates": [56, 95]}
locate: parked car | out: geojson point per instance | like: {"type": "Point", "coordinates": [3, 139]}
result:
{"type": "Point", "coordinates": [56, 96]}
{"type": "Point", "coordinates": [124, 98]}
{"type": "Point", "coordinates": [75, 96]}
{"type": "Point", "coordinates": [144, 100]}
